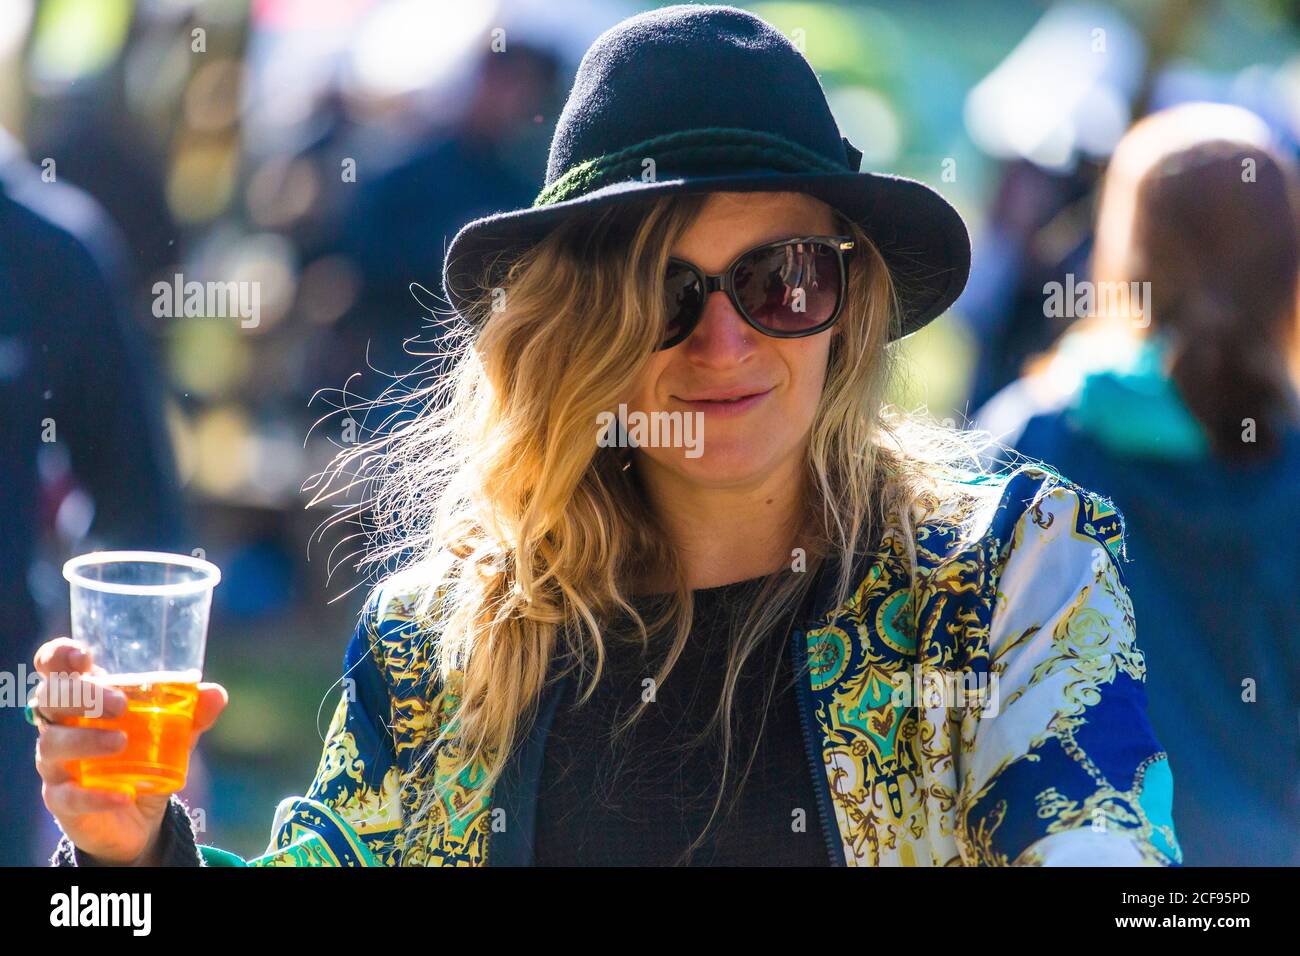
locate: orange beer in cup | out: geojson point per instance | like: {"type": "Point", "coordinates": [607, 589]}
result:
{"type": "Point", "coordinates": [143, 616]}
{"type": "Point", "coordinates": [157, 723]}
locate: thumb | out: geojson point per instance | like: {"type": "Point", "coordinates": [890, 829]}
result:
{"type": "Point", "coordinates": [212, 701]}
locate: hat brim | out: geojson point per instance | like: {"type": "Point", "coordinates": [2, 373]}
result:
{"type": "Point", "coordinates": [920, 235]}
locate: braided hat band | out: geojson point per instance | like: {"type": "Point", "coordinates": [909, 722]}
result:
{"type": "Point", "coordinates": [685, 150]}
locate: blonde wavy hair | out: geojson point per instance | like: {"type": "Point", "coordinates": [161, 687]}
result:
{"type": "Point", "coordinates": [526, 535]}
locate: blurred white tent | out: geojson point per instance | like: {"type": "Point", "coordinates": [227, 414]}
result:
{"type": "Point", "coordinates": [1065, 90]}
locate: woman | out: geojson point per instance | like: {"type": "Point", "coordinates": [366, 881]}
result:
{"type": "Point", "coordinates": [745, 649]}
{"type": "Point", "coordinates": [1181, 407]}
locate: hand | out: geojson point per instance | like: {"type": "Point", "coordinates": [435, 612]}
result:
{"type": "Point", "coordinates": [113, 827]}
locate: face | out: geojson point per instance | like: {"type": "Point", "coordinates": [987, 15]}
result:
{"type": "Point", "coordinates": [742, 443]}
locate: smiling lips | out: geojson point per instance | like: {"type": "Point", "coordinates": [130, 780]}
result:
{"type": "Point", "coordinates": [732, 401]}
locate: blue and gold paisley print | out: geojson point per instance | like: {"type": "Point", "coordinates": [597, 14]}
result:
{"type": "Point", "coordinates": [1055, 763]}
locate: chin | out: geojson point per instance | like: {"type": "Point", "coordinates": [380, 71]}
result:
{"type": "Point", "coordinates": [723, 464]}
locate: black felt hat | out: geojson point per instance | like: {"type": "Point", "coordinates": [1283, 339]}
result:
{"type": "Point", "coordinates": [720, 101]}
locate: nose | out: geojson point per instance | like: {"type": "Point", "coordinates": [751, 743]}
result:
{"type": "Point", "coordinates": [722, 337]}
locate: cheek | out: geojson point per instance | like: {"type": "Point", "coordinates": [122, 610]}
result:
{"type": "Point", "coordinates": [807, 370]}
{"type": "Point", "coordinates": [641, 393]}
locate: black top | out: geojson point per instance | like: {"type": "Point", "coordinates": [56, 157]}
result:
{"type": "Point", "coordinates": [642, 799]}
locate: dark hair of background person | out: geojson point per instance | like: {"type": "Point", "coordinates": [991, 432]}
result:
{"type": "Point", "coordinates": [1215, 233]}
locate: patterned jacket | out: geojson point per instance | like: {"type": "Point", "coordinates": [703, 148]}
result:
{"type": "Point", "coordinates": [1053, 762]}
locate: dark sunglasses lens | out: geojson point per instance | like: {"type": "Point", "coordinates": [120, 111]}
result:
{"type": "Point", "coordinates": [790, 288]}
{"type": "Point", "coordinates": [683, 299]}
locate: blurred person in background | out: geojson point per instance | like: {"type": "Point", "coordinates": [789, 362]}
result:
{"type": "Point", "coordinates": [1050, 131]}
{"type": "Point", "coordinates": [1181, 407]}
{"type": "Point", "coordinates": [108, 153]}
{"type": "Point", "coordinates": [396, 232]}
{"type": "Point", "coordinates": [76, 376]}
{"type": "Point", "coordinates": [1035, 234]}
{"type": "Point", "coordinates": [1051, 113]}
{"type": "Point", "coordinates": [390, 235]}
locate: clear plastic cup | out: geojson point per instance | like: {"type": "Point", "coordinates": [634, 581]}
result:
{"type": "Point", "coordinates": [143, 615]}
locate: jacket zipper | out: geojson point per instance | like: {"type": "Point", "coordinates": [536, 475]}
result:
{"type": "Point", "coordinates": [825, 809]}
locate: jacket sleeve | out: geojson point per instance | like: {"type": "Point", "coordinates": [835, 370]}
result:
{"type": "Point", "coordinates": [177, 844]}
{"type": "Point", "coordinates": [1061, 766]}
{"type": "Point", "coordinates": [350, 814]}
{"type": "Point", "coordinates": [97, 362]}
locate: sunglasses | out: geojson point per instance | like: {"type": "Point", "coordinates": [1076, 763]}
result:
{"type": "Point", "coordinates": [786, 289]}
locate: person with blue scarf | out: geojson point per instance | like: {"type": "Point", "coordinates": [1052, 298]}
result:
{"type": "Point", "coordinates": [1176, 400]}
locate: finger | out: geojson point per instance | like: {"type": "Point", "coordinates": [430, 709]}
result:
{"type": "Point", "coordinates": [70, 799]}
{"type": "Point", "coordinates": [212, 701]}
{"type": "Point", "coordinates": [61, 654]}
{"type": "Point", "coordinates": [61, 696]}
{"type": "Point", "coordinates": [57, 745]}
{"type": "Point", "coordinates": [51, 771]}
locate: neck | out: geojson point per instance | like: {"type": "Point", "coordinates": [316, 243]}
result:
{"type": "Point", "coordinates": [724, 534]}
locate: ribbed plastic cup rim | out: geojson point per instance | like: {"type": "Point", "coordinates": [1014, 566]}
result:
{"type": "Point", "coordinates": [212, 574]}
